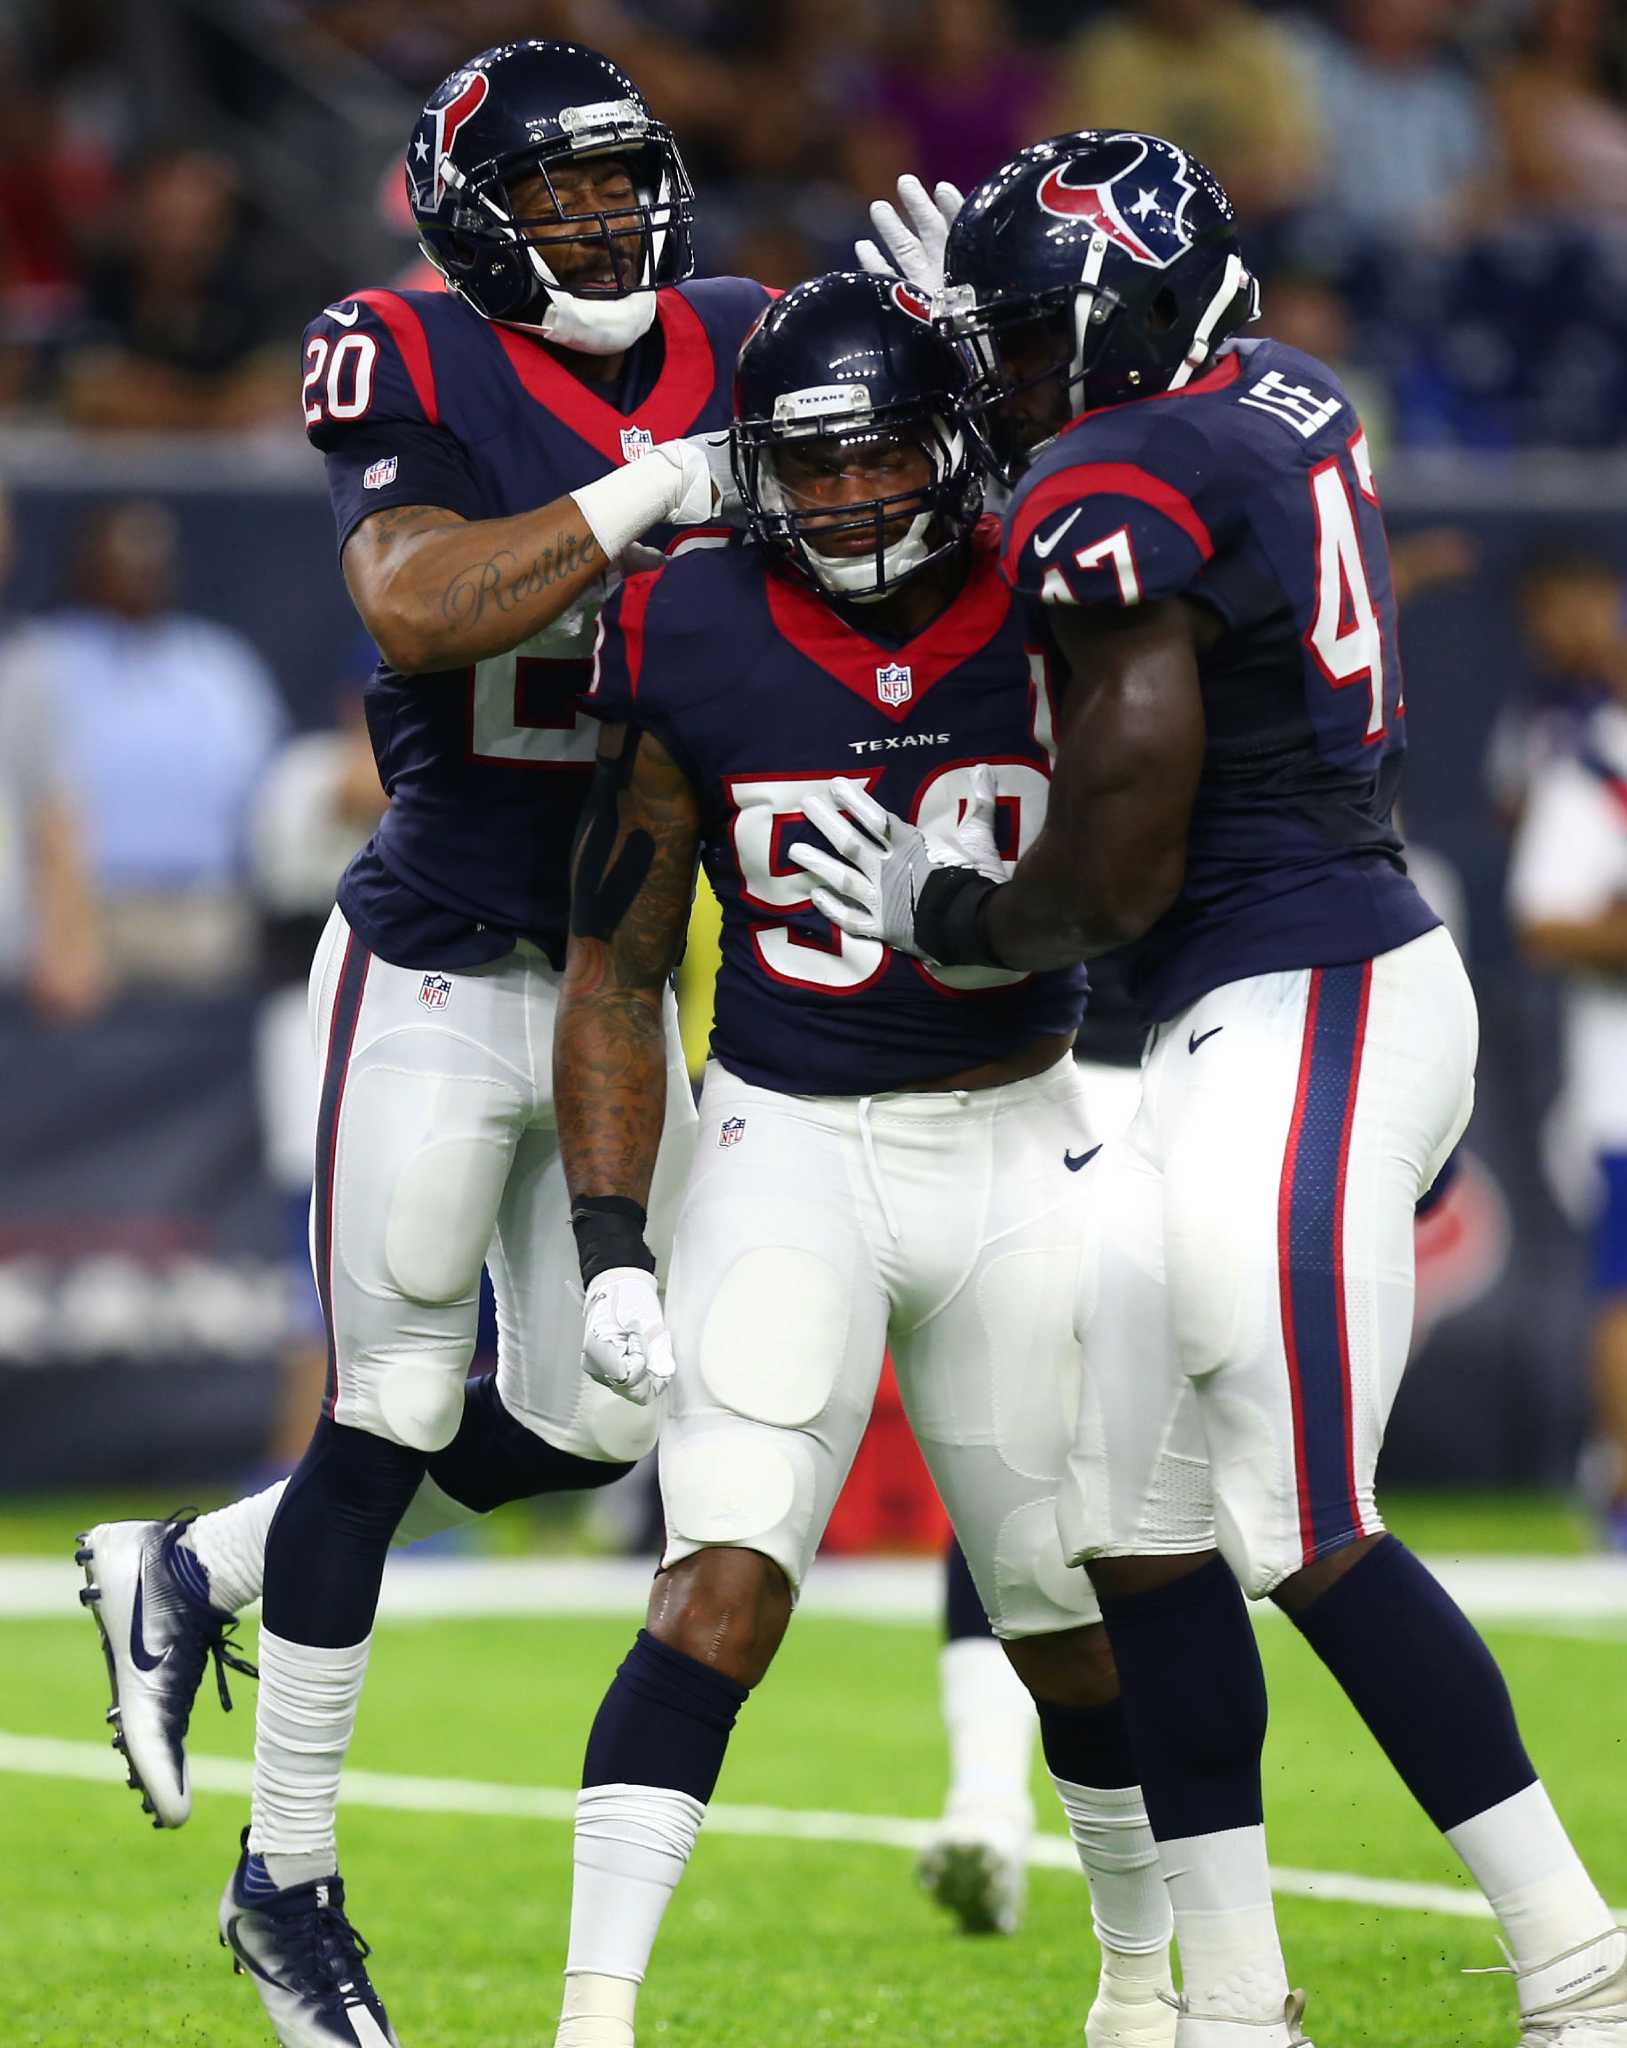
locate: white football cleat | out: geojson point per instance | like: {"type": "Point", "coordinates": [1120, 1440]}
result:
{"type": "Point", "coordinates": [976, 1867]}
{"type": "Point", "coordinates": [1199, 2030]}
{"type": "Point", "coordinates": [1579, 2000]}
{"type": "Point", "coordinates": [157, 1639]}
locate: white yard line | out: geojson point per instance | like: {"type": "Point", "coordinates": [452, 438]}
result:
{"type": "Point", "coordinates": [1554, 1593]}
{"type": "Point", "coordinates": [95, 1763]}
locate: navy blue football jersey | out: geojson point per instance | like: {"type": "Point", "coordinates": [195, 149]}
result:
{"type": "Point", "coordinates": [1251, 493]}
{"type": "Point", "coordinates": [763, 692]}
{"type": "Point", "coordinates": [416, 400]}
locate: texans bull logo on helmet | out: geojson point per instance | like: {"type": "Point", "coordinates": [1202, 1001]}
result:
{"type": "Point", "coordinates": [461, 95]}
{"type": "Point", "coordinates": [1140, 207]}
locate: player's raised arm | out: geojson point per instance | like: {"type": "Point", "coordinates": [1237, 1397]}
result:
{"type": "Point", "coordinates": [438, 591]}
{"type": "Point", "coordinates": [631, 892]}
{"type": "Point", "coordinates": [1110, 858]}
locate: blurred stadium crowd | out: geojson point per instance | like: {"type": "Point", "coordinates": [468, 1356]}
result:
{"type": "Point", "coordinates": [183, 180]}
{"type": "Point", "coordinates": [1435, 192]}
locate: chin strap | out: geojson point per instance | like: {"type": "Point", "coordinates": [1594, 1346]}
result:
{"type": "Point", "coordinates": [1234, 279]}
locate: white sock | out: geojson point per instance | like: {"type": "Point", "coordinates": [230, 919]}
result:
{"type": "Point", "coordinates": [632, 1843]}
{"type": "Point", "coordinates": [1225, 1928]}
{"type": "Point", "coordinates": [1129, 1901]}
{"type": "Point", "coordinates": [230, 1544]}
{"type": "Point", "coordinates": [991, 1725]}
{"type": "Point", "coordinates": [303, 1725]}
{"type": "Point", "coordinates": [1521, 1858]}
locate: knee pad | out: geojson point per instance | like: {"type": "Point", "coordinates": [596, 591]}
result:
{"type": "Point", "coordinates": [418, 1402]}
{"type": "Point", "coordinates": [749, 1488]}
{"type": "Point", "coordinates": [607, 1429]}
{"type": "Point", "coordinates": [1036, 1591]}
{"type": "Point", "coordinates": [763, 1363]}
{"type": "Point", "coordinates": [442, 1211]}
{"type": "Point", "coordinates": [1259, 1561]}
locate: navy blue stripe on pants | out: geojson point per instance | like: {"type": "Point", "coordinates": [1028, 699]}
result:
{"type": "Point", "coordinates": [1310, 1256]}
{"type": "Point", "coordinates": [347, 1010]}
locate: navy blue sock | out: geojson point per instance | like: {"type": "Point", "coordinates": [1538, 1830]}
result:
{"type": "Point", "coordinates": [1194, 1697]}
{"type": "Point", "coordinates": [328, 1540]}
{"type": "Point", "coordinates": [666, 1720]}
{"type": "Point", "coordinates": [962, 1609]}
{"type": "Point", "coordinates": [494, 1458]}
{"type": "Point", "coordinates": [1423, 1681]}
{"type": "Point", "coordinates": [1088, 1745]}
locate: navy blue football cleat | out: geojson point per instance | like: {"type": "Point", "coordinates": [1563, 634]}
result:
{"type": "Point", "coordinates": [307, 1962]}
{"type": "Point", "coordinates": [157, 1638]}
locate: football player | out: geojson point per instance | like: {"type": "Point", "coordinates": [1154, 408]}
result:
{"type": "Point", "coordinates": [1196, 534]}
{"type": "Point", "coordinates": [492, 451]}
{"type": "Point", "coordinates": [889, 1153]}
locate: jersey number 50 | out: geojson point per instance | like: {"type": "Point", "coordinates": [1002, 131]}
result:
{"type": "Point", "coordinates": [769, 808]}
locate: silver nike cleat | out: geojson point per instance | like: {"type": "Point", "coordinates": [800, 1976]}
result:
{"type": "Point", "coordinates": [157, 1638]}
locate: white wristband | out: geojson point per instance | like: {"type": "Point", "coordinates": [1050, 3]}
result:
{"type": "Point", "coordinates": [627, 503]}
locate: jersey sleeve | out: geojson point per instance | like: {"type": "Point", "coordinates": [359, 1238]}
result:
{"type": "Point", "coordinates": [644, 671]}
{"type": "Point", "coordinates": [618, 651]}
{"type": "Point", "coordinates": [371, 406]}
{"type": "Point", "coordinates": [1113, 525]}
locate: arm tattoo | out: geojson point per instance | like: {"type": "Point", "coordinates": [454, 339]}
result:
{"type": "Point", "coordinates": [609, 1051]}
{"type": "Point", "coordinates": [502, 584]}
{"type": "Point", "coordinates": [404, 522]}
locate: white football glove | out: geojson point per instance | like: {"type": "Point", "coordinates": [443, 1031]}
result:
{"type": "Point", "coordinates": [914, 245]}
{"type": "Point", "coordinates": [709, 489]}
{"type": "Point", "coordinates": [872, 888]}
{"type": "Point", "coordinates": [626, 1345]}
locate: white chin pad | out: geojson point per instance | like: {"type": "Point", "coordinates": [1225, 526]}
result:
{"type": "Point", "coordinates": [597, 327]}
{"type": "Point", "coordinates": [855, 575]}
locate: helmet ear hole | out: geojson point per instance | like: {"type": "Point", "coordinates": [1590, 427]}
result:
{"type": "Point", "coordinates": [1163, 312]}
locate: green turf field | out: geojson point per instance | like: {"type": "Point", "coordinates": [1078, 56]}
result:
{"type": "Point", "coordinates": [107, 1929]}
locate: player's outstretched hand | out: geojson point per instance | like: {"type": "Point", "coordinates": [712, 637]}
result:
{"type": "Point", "coordinates": [913, 238]}
{"type": "Point", "coordinates": [626, 1345]}
{"type": "Point", "coordinates": [872, 882]}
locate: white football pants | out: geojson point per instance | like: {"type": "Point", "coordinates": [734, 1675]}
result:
{"type": "Point", "coordinates": [1246, 1306]}
{"type": "Point", "coordinates": [436, 1154]}
{"type": "Point", "coordinates": [816, 1231]}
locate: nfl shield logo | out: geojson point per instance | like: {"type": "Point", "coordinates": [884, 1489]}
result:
{"type": "Point", "coordinates": [731, 1130]}
{"type": "Point", "coordinates": [377, 474]}
{"type": "Point", "coordinates": [635, 441]}
{"type": "Point", "coordinates": [893, 684]}
{"type": "Point", "coordinates": [434, 991]}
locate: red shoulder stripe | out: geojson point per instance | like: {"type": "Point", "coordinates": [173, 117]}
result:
{"type": "Point", "coordinates": [1103, 479]}
{"type": "Point", "coordinates": [407, 332]}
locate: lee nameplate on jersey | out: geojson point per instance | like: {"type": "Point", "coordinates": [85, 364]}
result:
{"type": "Point", "coordinates": [894, 684]}
{"type": "Point", "coordinates": [731, 1130]}
{"type": "Point", "coordinates": [434, 991]}
{"type": "Point", "coordinates": [377, 474]}
{"type": "Point", "coordinates": [635, 441]}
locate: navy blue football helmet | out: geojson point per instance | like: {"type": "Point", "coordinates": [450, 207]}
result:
{"type": "Point", "coordinates": [522, 110]}
{"type": "Point", "coordinates": [1091, 269]}
{"type": "Point", "coordinates": [845, 365]}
